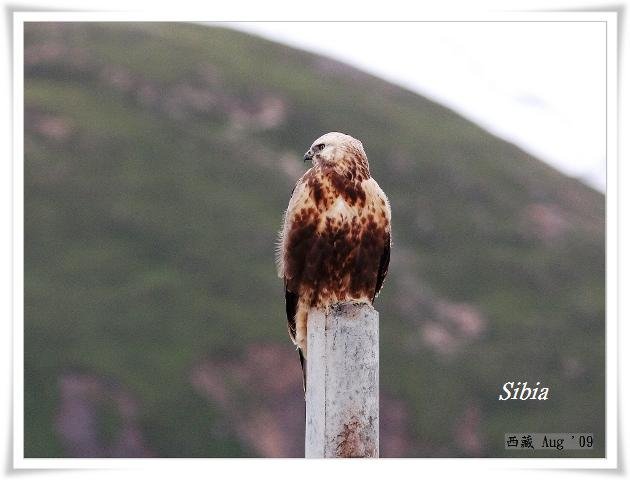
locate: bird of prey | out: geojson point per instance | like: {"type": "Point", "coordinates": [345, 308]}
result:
{"type": "Point", "coordinates": [335, 242]}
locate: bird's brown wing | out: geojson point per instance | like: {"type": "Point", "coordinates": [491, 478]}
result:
{"type": "Point", "coordinates": [291, 294]}
{"type": "Point", "coordinates": [299, 195]}
{"type": "Point", "coordinates": [291, 301]}
{"type": "Point", "coordinates": [383, 266]}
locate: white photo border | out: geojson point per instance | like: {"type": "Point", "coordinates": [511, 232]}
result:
{"type": "Point", "coordinates": [382, 467]}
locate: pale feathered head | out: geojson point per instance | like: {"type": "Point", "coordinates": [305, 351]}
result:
{"type": "Point", "coordinates": [333, 148]}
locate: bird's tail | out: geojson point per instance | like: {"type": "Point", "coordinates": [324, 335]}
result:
{"type": "Point", "coordinates": [303, 364]}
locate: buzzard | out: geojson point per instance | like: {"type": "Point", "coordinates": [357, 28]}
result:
{"type": "Point", "coordinates": [335, 242]}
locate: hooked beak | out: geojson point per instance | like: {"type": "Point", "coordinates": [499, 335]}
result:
{"type": "Point", "coordinates": [308, 155]}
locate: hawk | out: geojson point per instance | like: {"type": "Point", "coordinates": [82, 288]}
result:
{"type": "Point", "coordinates": [335, 242]}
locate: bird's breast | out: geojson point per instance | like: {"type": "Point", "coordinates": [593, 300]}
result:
{"type": "Point", "coordinates": [340, 211]}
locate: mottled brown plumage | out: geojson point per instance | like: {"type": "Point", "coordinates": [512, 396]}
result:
{"type": "Point", "coordinates": [335, 243]}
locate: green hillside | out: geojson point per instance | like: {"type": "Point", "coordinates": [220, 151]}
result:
{"type": "Point", "coordinates": [158, 161]}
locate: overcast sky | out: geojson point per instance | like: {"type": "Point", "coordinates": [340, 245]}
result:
{"type": "Point", "coordinates": [540, 85]}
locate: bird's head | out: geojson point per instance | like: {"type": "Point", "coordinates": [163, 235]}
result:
{"type": "Point", "coordinates": [337, 150]}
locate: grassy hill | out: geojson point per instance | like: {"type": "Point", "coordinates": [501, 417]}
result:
{"type": "Point", "coordinates": [158, 161]}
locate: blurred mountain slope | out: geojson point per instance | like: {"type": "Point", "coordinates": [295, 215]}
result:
{"type": "Point", "coordinates": [158, 161]}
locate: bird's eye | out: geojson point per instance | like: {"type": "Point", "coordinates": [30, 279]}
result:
{"type": "Point", "coordinates": [320, 146]}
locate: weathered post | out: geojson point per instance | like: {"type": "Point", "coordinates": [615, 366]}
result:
{"type": "Point", "coordinates": [342, 382]}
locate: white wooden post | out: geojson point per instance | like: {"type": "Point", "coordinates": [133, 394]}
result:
{"type": "Point", "coordinates": [342, 382]}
